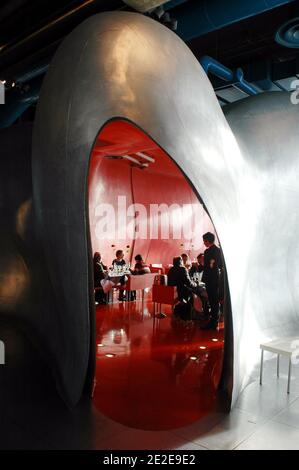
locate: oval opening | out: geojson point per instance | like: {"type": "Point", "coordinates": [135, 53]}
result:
{"type": "Point", "coordinates": [153, 371]}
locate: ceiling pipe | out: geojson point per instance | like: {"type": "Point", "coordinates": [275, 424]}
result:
{"type": "Point", "coordinates": [211, 65]}
{"type": "Point", "coordinates": [202, 17]}
{"type": "Point", "coordinates": [196, 19]}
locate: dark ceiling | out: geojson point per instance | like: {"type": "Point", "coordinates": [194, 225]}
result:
{"type": "Point", "coordinates": [31, 30]}
{"type": "Point", "coordinates": [248, 40]}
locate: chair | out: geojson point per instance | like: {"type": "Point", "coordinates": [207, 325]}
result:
{"type": "Point", "coordinates": [164, 295]}
{"type": "Point", "coordinates": [281, 347]}
{"type": "Point", "coordinates": [138, 283]}
{"type": "Point", "coordinates": [157, 268]}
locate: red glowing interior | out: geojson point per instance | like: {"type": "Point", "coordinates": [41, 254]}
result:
{"type": "Point", "coordinates": [161, 182]}
{"type": "Point", "coordinates": [150, 375]}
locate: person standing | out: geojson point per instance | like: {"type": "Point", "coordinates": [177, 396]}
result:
{"type": "Point", "coordinates": [213, 265]}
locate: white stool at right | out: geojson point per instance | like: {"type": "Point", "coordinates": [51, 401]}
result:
{"type": "Point", "coordinates": [281, 347]}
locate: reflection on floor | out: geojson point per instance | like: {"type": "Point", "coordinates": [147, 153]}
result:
{"type": "Point", "coordinates": [33, 416]}
{"type": "Point", "coordinates": [155, 374]}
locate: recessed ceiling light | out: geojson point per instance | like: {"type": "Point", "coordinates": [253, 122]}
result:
{"type": "Point", "coordinates": [110, 355]}
{"type": "Point", "coordinates": [193, 358]}
{"type": "Point", "coordinates": [135, 161]}
{"type": "Point", "coordinates": [100, 345]}
{"type": "Point", "coordinates": [202, 347]}
{"type": "Point", "coordinates": [145, 157]}
{"type": "Point", "coordinates": [215, 339]}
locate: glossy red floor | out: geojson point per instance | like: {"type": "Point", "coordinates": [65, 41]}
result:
{"type": "Point", "coordinates": [155, 375]}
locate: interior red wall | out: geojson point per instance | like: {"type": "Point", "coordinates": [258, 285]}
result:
{"type": "Point", "coordinates": [162, 182]}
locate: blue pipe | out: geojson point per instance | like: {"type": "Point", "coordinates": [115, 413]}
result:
{"type": "Point", "coordinates": [213, 66]}
{"type": "Point", "coordinates": [194, 19]}
{"type": "Point", "coordinates": [201, 17]}
{"type": "Point", "coordinates": [237, 78]}
{"type": "Point", "coordinates": [243, 85]}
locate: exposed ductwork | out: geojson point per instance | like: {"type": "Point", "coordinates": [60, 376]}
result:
{"type": "Point", "coordinates": [288, 34]}
{"type": "Point", "coordinates": [209, 15]}
{"type": "Point", "coordinates": [24, 60]}
{"type": "Point", "coordinates": [213, 66]}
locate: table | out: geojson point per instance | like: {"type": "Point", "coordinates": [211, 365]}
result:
{"type": "Point", "coordinates": [281, 347]}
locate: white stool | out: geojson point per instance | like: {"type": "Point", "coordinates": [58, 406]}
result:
{"type": "Point", "coordinates": [281, 347]}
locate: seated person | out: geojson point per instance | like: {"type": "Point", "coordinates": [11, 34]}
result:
{"type": "Point", "coordinates": [197, 267]}
{"type": "Point", "coordinates": [140, 266]}
{"type": "Point", "coordinates": [178, 276]}
{"type": "Point", "coordinates": [99, 273]}
{"type": "Point", "coordinates": [186, 261]}
{"type": "Point", "coordinates": [196, 272]}
{"type": "Point", "coordinates": [119, 260]}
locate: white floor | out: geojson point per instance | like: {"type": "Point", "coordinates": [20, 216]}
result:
{"type": "Point", "coordinates": [265, 417]}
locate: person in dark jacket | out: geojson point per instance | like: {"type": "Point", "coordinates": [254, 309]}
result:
{"type": "Point", "coordinates": [212, 267]}
{"type": "Point", "coordinates": [140, 266]}
{"type": "Point", "coordinates": [178, 276]}
{"type": "Point", "coordinates": [99, 273]}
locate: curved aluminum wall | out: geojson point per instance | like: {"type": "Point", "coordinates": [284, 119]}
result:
{"type": "Point", "coordinates": [25, 291]}
{"type": "Point", "coordinates": [266, 128]}
{"type": "Point", "coordinates": [125, 65]}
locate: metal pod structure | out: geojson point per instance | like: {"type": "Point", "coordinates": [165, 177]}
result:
{"type": "Point", "coordinates": [124, 65]}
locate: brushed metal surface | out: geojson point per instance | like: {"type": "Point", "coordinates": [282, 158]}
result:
{"type": "Point", "coordinates": [126, 65]}
{"type": "Point", "coordinates": [266, 129]}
